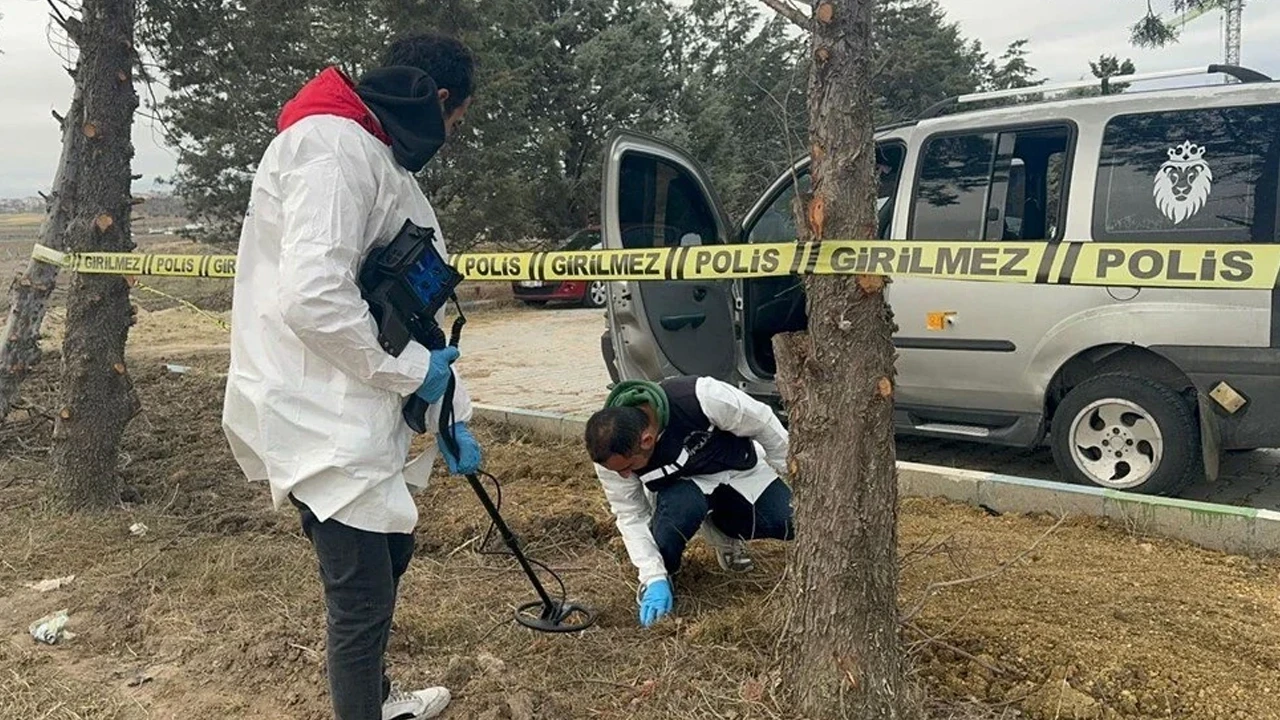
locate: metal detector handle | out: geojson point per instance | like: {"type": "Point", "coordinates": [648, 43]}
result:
{"type": "Point", "coordinates": [415, 408]}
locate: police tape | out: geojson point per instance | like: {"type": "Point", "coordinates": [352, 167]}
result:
{"type": "Point", "coordinates": [186, 304]}
{"type": "Point", "coordinates": [1180, 265]}
{"type": "Point", "coordinates": [162, 264]}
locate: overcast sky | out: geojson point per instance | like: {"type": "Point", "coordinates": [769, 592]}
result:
{"type": "Point", "coordinates": [1064, 36]}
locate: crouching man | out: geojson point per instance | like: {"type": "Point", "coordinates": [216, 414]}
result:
{"type": "Point", "coordinates": [684, 454]}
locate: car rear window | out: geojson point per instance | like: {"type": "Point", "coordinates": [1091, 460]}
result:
{"type": "Point", "coordinates": [1203, 175]}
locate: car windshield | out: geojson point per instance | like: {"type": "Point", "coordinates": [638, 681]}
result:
{"type": "Point", "coordinates": [582, 240]}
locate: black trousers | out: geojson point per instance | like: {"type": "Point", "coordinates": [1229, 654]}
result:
{"type": "Point", "coordinates": [361, 575]}
{"type": "Point", "coordinates": [682, 506]}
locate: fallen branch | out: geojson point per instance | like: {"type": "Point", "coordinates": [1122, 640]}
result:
{"type": "Point", "coordinates": [933, 640]}
{"type": "Point", "coordinates": [936, 586]}
{"type": "Point", "coordinates": [920, 551]}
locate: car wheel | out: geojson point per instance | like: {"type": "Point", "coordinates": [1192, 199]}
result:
{"type": "Point", "coordinates": [596, 295]}
{"type": "Point", "coordinates": [1127, 432]}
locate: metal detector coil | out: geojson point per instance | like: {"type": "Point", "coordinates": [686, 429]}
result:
{"type": "Point", "coordinates": [406, 283]}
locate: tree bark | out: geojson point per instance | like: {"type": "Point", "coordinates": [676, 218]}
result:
{"type": "Point", "coordinates": [29, 292]}
{"type": "Point", "coordinates": [97, 395]}
{"type": "Point", "coordinates": [842, 652]}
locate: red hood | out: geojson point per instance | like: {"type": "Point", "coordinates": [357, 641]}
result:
{"type": "Point", "coordinates": [330, 93]}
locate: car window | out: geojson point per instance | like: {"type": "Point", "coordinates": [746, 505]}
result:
{"type": "Point", "coordinates": [663, 205]}
{"type": "Point", "coordinates": [582, 240]}
{"type": "Point", "coordinates": [951, 194]}
{"type": "Point", "coordinates": [778, 222]}
{"type": "Point", "coordinates": [1006, 185]}
{"type": "Point", "coordinates": [1203, 175]}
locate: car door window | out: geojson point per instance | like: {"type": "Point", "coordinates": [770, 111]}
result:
{"type": "Point", "coordinates": [992, 185]}
{"type": "Point", "coordinates": [951, 194]}
{"type": "Point", "coordinates": [665, 206]}
{"type": "Point", "coordinates": [778, 222]}
{"type": "Point", "coordinates": [1202, 175]}
{"type": "Point", "coordinates": [582, 240]}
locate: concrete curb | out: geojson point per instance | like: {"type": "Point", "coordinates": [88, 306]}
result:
{"type": "Point", "coordinates": [1226, 528]}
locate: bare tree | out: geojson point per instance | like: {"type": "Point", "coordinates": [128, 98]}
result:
{"type": "Point", "coordinates": [88, 211]}
{"type": "Point", "coordinates": [29, 293]}
{"type": "Point", "coordinates": [843, 654]}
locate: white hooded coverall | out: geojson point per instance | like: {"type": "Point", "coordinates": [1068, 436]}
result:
{"type": "Point", "coordinates": [313, 403]}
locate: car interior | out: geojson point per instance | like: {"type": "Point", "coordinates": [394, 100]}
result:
{"type": "Point", "coordinates": [777, 304]}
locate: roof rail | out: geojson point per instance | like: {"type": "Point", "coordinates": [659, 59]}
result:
{"type": "Point", "coordinates": [1242, 74]}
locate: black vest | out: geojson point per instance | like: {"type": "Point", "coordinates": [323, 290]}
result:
{"type": "Point", "coordinates": [690, 445]}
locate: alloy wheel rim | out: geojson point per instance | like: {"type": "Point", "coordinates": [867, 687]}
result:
{"type": "Point", "coordinates": [1116, 443]}
{"type": "Point", "coordinates": [598, 293]}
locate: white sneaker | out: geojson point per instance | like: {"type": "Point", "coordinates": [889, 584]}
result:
{"type": "Point", "coordinates": [416, 705]}
{"type": "Point", "coordinates": [735, 558]}
{"type": "Point", "coordinates": [730, 552]}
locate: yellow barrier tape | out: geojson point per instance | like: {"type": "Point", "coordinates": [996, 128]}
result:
{"type": "Point", "coordinates": [1068, 263]}
{"type": "Point", "coordinates": [161, 264]}
{"type": "Point", "coordinates": [185, 303]}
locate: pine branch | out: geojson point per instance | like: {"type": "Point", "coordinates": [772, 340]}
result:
{"type": "Point", "coordinates": [789, 11]}
{"type": "Point", "coordinates": [70, 25]}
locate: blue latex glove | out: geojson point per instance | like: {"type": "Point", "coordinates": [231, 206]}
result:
{"type": "Point", "coordinates": [655, 602]}
{"type": "Point", "coordinates": [432, 388]}
{"type": "Point", "coordinates": [469, 456]}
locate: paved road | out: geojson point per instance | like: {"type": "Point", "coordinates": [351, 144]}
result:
{"type": "Point", "coordinates": [549, 359]}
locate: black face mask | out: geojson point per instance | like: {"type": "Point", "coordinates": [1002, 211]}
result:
{"type": "Point", "coordinates": [406, 102]}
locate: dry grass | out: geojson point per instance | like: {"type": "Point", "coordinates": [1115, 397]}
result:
{"type": "Point", "coordinates": [216, 611]}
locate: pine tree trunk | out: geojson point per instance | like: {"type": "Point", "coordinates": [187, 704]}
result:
{"type": "Point", "coordinates": [843, 656]}
{"type": "Point", "coordinates": [97, 396]}
{"type": "Point", "coordinates": [29, 293]}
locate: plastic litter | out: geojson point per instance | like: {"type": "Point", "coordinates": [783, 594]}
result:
{"type": "Point", "coordinates": [177, 369]}
{"type": "Point", "coordinates": [138, 529]}
{"type": "Point", "coordinates": [51, 584]}
{"type": "Point", "coordinates": [51, 628]}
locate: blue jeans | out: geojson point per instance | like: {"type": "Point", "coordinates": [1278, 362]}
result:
{"type": "Point", "coordinates": [683, 506]}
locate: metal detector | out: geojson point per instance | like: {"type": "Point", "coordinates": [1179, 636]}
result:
{"type": "Point", "coordinates": [406, 283]}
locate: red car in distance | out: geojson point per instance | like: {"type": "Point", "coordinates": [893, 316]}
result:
{"type": "Point", "coordinates": [585, 294]}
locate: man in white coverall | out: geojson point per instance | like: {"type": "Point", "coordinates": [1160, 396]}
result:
{"type": "Point", "coordinates": [689, 453]}
{"type": "Point", "coordinates": [313, 403]}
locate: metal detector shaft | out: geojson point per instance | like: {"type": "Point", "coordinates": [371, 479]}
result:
{"type": "Point", "coordinates": [548, 607]}
{"type": "Point", "coordinates": [555, 616]}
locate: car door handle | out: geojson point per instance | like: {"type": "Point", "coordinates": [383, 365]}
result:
{"type": "Point", "coordinates": [675, 322]}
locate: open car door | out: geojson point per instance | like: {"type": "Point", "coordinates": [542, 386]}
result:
{"type": "Point", "coordinates": [654, 195]}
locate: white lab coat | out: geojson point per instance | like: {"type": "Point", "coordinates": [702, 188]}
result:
{"type": "Point", "coordinates": [731, 410]}
{"type": "Point", "coordinates": [313, 403]}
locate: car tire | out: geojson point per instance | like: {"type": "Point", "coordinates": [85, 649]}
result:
{"type": "Point", "coordinates": [1140, 432]}
{"type": "Point", "coordinates": [596, 295]}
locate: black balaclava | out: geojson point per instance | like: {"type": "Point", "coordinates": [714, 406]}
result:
{"type": "Point", "coordinates": [406, 102]}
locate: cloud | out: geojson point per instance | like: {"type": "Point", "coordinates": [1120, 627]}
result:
{"type": "Point", "coordinates": [35, 84]}
{"type": "Point", "coordinates": [1064, 36]}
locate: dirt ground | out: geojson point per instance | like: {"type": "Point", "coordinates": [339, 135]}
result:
{"type": "Point", "coordinates": [215, 610]}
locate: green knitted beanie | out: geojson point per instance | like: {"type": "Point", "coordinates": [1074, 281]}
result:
{"type": "Point", "coordinates": [633, 393]}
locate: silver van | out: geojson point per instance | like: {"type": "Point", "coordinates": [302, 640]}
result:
{"type": "Point", "coordinates": [1134, 389]}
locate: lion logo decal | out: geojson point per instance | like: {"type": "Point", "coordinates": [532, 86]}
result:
{"type": "Point", "coordinates": [1183, 184]}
